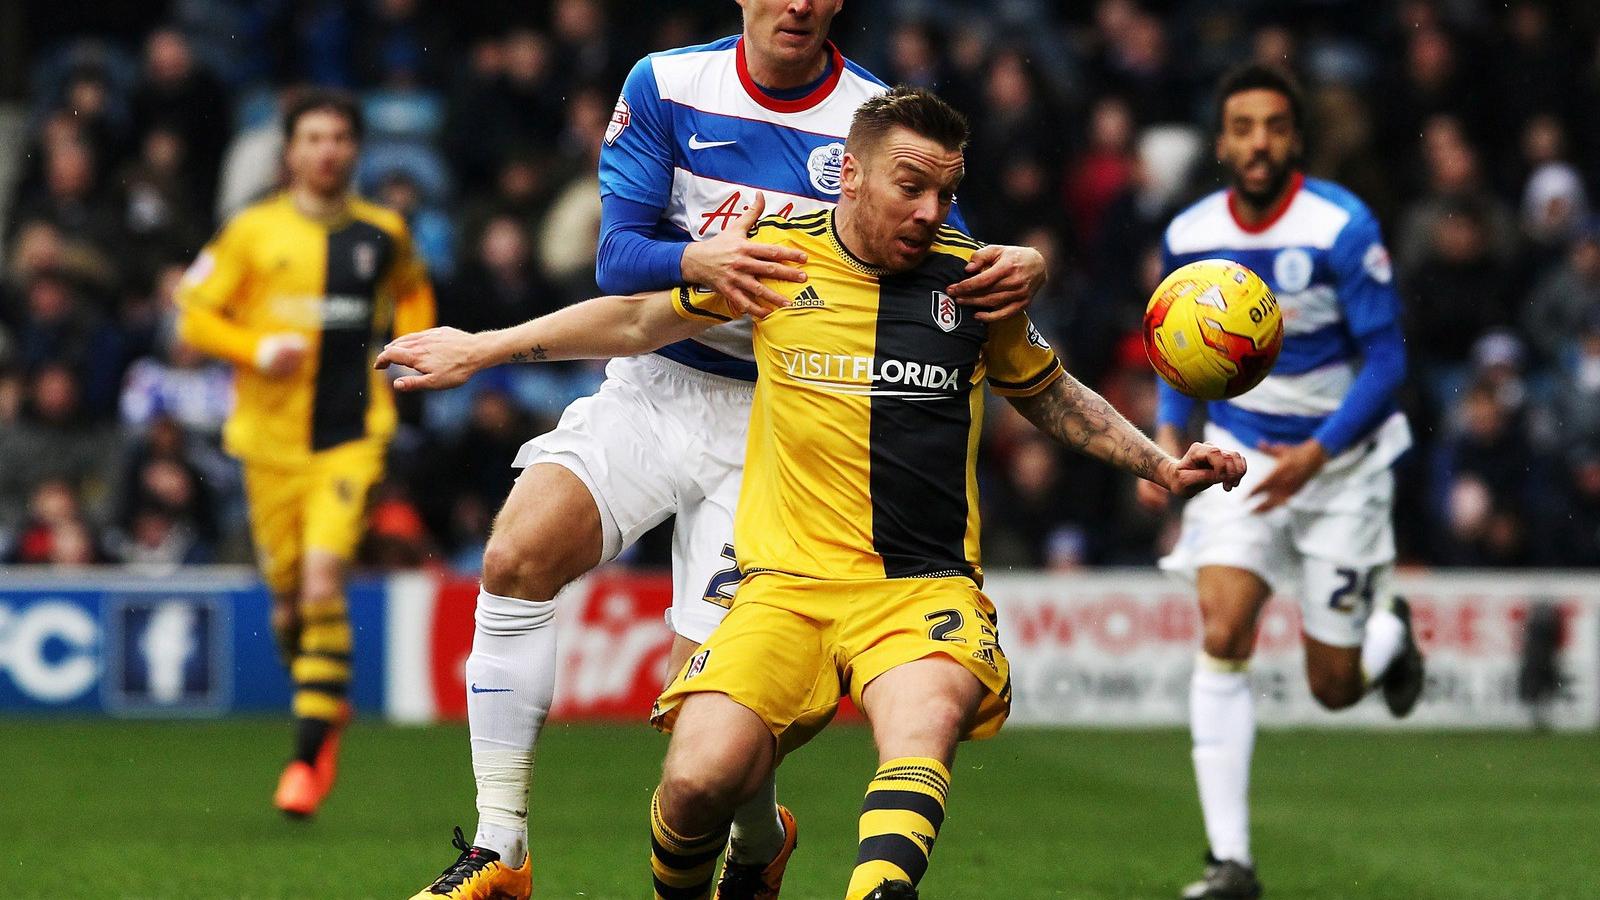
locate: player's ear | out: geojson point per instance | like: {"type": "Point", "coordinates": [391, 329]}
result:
{"type": "Point", "coordinates": [850, 173]}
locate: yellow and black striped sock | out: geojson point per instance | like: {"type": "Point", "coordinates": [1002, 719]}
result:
{"type": "Point", "coordinates": [899, 821]}
{"type": "Point", "coordinates": [682, 867]}
{"type": "Point", "coordinates": [321, 671]}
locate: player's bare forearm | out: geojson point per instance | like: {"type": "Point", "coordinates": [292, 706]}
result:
{"type": "Point", "coordinates": [602, 328]}
{"type": "Point", "coordinates": [1083, 420]}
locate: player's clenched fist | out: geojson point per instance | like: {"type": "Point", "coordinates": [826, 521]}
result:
{"type": "Point", "coordinates": [443, 357]}
{"type": "Point", "coordinates": [1201, 467]}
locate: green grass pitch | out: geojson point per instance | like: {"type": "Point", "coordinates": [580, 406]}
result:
{"type": "Point", "coordinates": [164, 810]}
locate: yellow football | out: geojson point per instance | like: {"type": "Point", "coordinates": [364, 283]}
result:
{"type": "Point", "coordinates": [1213, 329]}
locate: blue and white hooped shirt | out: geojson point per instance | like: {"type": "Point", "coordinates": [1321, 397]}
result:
{"type": "Point", "coordinates": [1322, 254]}
{"type": "Point", "coordinates": [694, 136]}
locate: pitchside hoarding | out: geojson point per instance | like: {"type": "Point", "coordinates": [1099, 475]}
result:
{"type": "Point", "coordinates": [190, 643]}
{"type": "Point", "coordinates": [1107, 649]}
{"type": "Point", "coordinates": [1090, 649]}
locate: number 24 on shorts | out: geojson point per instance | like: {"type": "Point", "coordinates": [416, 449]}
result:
{"type": "Point", "coordinates": [1357, 587]}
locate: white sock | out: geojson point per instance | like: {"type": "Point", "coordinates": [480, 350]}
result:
{"type": "Point", "coordinates": [757, 833]}
{"type": "Point", "coordinates": [1222, 721]}
{"type": "Point", "coordinates": [1386, 634]}
{"type": "Point", "coordinates": [511, 681]}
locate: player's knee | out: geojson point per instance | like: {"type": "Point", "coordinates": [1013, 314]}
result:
{"type": "Point", "coordinates": [708, 791]}
{"type": "Point", "coordinates": [931, 728]}
{"type": "Point", "coordinates": [1335, 690]}
{"type": "Point", "coordinates": [1225, 639]}
{"type": "Point", "coordinates": [511, 568]}
{"type": "Point", "coordinates": [320, 586]}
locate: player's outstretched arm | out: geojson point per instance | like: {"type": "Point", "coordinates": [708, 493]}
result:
{"type": "Point", "coordinates": [601, 328]}
{"type": "Point", "coordinates": [1084, 421]}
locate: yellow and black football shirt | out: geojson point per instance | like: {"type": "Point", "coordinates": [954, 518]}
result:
{"type": "Point", "coordinates": [346, 286]}
{"type": "Point", "coordinates": [861, 462]}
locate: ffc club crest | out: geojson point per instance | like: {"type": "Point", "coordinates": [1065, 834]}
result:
{"type": "Point", "coordinates": [946, 313]}
{"type": "Point", "coordinates": [697, 664]}
{"type": "Point", "coordinates": [366, 260]}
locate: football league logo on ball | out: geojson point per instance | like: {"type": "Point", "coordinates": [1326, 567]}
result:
{"type": "Point", "coordinates": [1213, 329]}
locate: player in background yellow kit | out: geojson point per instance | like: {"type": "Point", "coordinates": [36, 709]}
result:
{"type": "Point", "coordinates": [299, 291]}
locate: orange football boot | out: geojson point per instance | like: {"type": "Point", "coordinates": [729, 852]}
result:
{"type": "Point", "coordinates": [741, 882]}
{"type": "Point", "coordinates": [299, 791]}
{"type": "Point", "coordinates": [478, 874]}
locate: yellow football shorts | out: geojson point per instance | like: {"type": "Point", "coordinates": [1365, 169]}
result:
{"type": "Point", "coordinates": [791, 647]}
{"type": "Point", "coordinates": [320, 505]}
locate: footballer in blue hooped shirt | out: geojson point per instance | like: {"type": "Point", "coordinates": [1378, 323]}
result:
{"type": "Point", "coordinates": [1319, 434]}
{"type": "Point", "coordinates": [703, 141]}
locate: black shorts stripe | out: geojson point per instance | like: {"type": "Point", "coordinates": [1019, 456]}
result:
{"type": "Point", "coordinates": [692, 892]}
{"type": "Point", "coordinates": [898, 849]}
{"type": "Point", "coordinates": [682, 860]}
{"type": "Point", "coordinates": [686, 306]}
{"type": "Point", "coordinates": [359, 254]}
{"type": "Point", "coordinates": [331, 688]}
{"type": "Point", "coordinates": [1031, 382]}
{"type": "Point", "coordinates": [910, 801]}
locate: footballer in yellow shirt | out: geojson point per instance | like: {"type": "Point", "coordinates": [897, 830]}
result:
{"type": "Point", "coordinates": [298, 291]}
{"type": "Point", "coordinates": [857, 526]}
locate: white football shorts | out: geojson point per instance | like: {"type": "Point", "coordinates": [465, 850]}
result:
{"type": "Point", "coordinates": [1332, 543]}
{"type": "Point", "coordinates": [660, 438]}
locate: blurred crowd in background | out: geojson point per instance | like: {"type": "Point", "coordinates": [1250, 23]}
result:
{"type": "Point", "coordinates": [1467, 126]}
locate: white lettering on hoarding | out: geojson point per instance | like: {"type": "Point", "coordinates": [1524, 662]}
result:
{"type": "Point", "coordinates": [48, 650]}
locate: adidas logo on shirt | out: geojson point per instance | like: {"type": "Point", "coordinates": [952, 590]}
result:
{"type": "Point", "coordinates": [807, 299]}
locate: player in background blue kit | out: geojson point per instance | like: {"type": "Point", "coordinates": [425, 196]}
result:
{"type": "Point", "coordinates": [1319, 435]}
{"type": "Point", "coordinates": [699, 136]}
